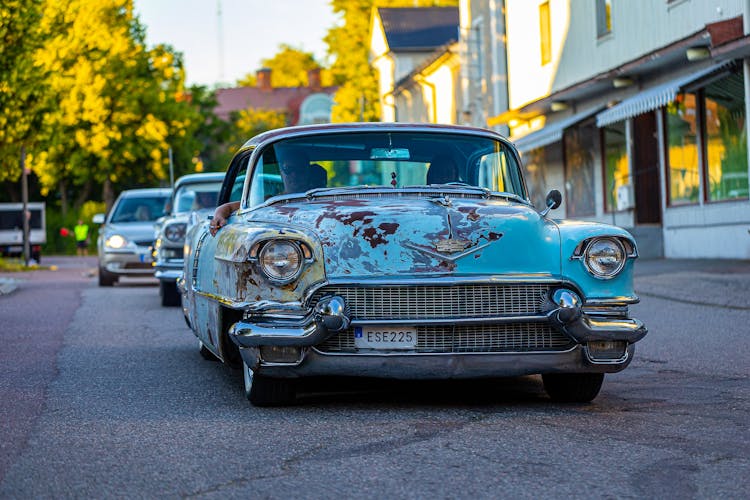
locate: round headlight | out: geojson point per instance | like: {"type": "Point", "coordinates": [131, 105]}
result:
{"type": "Point", "coordinates": [281, 260]}
{"type": "Point", "coordinates": [116, 241]}
{"type": "Point", "coordinates": [605, 257]}
{"type": "Point", "coordinates": [175, 232]}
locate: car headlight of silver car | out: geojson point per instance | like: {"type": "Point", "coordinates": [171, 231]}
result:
{"type": "Point", "coordinates": [605, 257]}
{"type": "Point", "coordinates": [115, 241]}
{"type": "Point", "coordinates": [175, 232]}
{"type": "Point", "coordinates": [281, 260]}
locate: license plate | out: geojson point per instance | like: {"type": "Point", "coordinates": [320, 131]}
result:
{"type": "Point", "coordinates": [386, 337]}
{"type": "Point", "coordinates": [145, 256]}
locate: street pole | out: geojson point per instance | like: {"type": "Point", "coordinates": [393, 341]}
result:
{"type": "Point", "coordinates": [171, 169]}
{"type": "Point", "coordinates": [25, 211]}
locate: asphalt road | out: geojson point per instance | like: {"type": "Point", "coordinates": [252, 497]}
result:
{"type": "Point", "coordinates": [105, 395]}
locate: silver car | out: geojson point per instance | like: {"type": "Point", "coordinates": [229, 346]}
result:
{"type": "Point", "coordinates": [127, 234]}
{"type": "Point", "coordinates": [194, 195]}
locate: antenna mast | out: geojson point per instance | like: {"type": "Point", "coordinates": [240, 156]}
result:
{"type": "Point", "coordinates": [220, 30]}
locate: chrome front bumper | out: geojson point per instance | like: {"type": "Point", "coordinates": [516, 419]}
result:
{"type": "Point", "coordinates": [434, 366]}
{"type": "Point", "coordinates": [168, 270]}
{"type": "Point", "coordinates": [330, 315]}
{"type": "Point", "coordinates": [127, 263]}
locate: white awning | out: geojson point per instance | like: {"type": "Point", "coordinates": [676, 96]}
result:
{"type": "Point", "coordinates": [552, 132]}
{"type": "Point", "coordinates": [652, 98]}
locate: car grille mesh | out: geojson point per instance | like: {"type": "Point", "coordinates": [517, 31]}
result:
{"type": "Point", "coordinates": [509, 337]}
{"type": "Point", "coordinates": [440, 302]}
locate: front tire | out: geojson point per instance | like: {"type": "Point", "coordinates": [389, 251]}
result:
{"type": "Point", "coordinates": [572, 387]}
{"type": "Point", "coordinates": [170, 297]}
{"type": "Point", "coordinates": [206, 353]}
{"type": "Point", "coordinates": [266, 391]}
{"type": "Point", "coordinates": [106, 278]}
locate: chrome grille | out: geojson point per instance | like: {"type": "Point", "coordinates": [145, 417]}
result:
{"type": "Point", "coordinates": [512, 337]}
{"type": "Point", "coordinates": [436, 302]}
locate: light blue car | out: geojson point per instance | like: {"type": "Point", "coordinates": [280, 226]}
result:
{"type": "Point", "coordinates": [193, 194]}
{"type": "Point", "coordinates": [403, 251]}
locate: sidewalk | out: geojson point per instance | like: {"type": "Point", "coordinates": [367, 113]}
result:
{"type": "Point", "coordinates": [11, 281]}
{"type": "Point", "coordinates": [7, 285]}
{"type": "Point", "coordinates": [713, 282]}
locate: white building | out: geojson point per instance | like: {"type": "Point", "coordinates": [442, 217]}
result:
{"type": "Point", "coordinates": [637, 111]}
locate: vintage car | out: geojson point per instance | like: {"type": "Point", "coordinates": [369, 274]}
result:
{"type": "Point", "coordinates": [192, 193]}
{"type": "Point", "coordinates": [403, 251]}
{"type": "Point", "coordinates": [127, 234]}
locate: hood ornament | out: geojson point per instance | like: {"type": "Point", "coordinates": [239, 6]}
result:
{"type": "Point", "coordinates": [452, 248]}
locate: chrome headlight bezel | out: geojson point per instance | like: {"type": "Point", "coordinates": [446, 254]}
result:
{"type": "Point", "coordinates": [175, 232]}
{"type": "Point", "coordinates": [278, 253]}
{"type": "Point", "coordinates": [603, 248]}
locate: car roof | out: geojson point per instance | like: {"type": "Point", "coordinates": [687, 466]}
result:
{"type": "Point", "coordinates": [200, 177]}
{"type": "Point", "coordinates": [301, 130]}
{"type": "Point", "coordinates": [145, 192]}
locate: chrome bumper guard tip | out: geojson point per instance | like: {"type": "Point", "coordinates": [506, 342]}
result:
{"type": "Point", "coordinates": [330, 315]}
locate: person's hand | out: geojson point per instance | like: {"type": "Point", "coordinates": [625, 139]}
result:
{"type": "Point", "coordinates": [221, 214]}
{"type": "Point", "coordinates": [216, 223]}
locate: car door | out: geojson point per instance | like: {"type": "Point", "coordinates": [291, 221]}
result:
{"type": "Point", "coordinates": [201, 269]}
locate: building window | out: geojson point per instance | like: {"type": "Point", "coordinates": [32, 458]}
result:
{"type": "Point", "coordinates": [616, 167]}
{"type": "Point", "coordinates": [535, 167]}
{"type": "Point", "coordinates": [603, 17]}
{"type": "Point", "coordinates": [726, 139]}
{"type": "Point", "coordinates": [580, 152]}
{"type": "Point", "coordinates": [545, 33]}
{"type": "Point", "coordinates": [682, 149]}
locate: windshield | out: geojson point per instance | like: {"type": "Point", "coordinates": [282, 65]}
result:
{"type": "Point", "coordinates": [388, 159]}
{"type": "Point", "coordinates": [139, 209]}
{"type": "Point", "coordinates": [196, 196]}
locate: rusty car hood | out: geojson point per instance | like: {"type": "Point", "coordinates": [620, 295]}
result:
{"type": "Point", "coordinates": [422, 235]}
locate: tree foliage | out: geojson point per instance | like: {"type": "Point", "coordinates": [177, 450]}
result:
{"type": "Point", "coordinates": [22, 85]}
{"type": "Point", "coordinates": [349, 44]}
{"type": "Point", "coordinates": [119, 106]}
{"type": "Point", "coordinates": [289, 68]}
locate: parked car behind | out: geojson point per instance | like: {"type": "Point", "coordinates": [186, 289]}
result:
{"type": "Point", "coordinates": [408, 252]}
{"type": "Point", "coordinates": [127, 234]}
{"type": "Point", "coordinates": [11, 229]}
{"type": "Point", "coordinates": [193, 194]}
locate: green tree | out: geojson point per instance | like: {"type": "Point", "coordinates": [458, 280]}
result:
{"type": "Point", "coordinates": [23, 90]}
{"type": "Point", "coordinates": [212, 134]}
{"type": "Point", "coordinates": [289, 67]}
{"type": "Point", "coordinates": [120, 104]}
{"type": "Point", "coordinates": [349, 44]}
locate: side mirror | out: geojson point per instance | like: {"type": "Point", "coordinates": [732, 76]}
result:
{"type": "Point", "coordinates": [98, 219]}
{"type": "Point", "coordinates": [554, 198]}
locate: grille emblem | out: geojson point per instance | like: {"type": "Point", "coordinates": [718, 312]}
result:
{"type": "Point", "coordinates": [451, 245]}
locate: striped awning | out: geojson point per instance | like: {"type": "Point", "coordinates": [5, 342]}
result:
{"type": "Point", "coordinates": [653, 98]}
{"type": "Point", "coordinates": [552, 132]}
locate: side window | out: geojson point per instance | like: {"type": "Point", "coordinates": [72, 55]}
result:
{"type": "Point", "coordinates": [491, 171]}
{"type": "Point", "coordinates": [266, 181]}
{"type": "Point", "coordinates": [239, 183]}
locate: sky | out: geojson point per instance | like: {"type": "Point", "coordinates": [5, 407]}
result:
{"type": "Point", "coordinates": [252, 31]}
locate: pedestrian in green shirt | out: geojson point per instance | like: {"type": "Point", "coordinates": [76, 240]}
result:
{"type": "Point", "coordinates": [81, 232]}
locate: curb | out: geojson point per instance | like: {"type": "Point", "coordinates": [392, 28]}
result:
{"type": "Point", "coordinates": [7, 286]}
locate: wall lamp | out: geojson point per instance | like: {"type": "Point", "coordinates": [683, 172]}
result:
{"type": "Point", "coordinates": [621, 82]}
{"type": "Point", "coordinates": [697, 53]}
{"type": "Point", "coordinates": [556, 106]}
